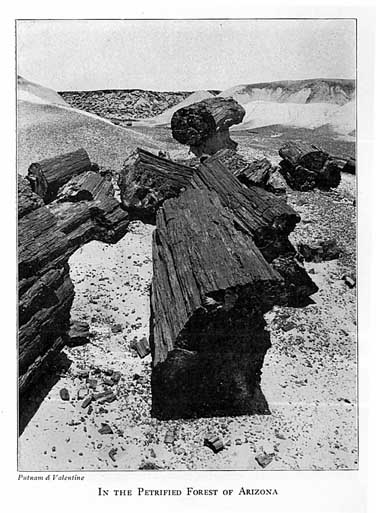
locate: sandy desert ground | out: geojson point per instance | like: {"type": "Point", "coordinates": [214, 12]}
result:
{"type": "Point", "coordinates": [309, 376]}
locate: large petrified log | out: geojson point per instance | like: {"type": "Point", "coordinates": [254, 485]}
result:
{"type": "Point", "coordinates": [147, 180]}
{"type": "Point", "coordinates": [204, 125]}
{"type": "Point", "coordinates": [211, 286]}
{"type": "Point", "coordinates": [47, 236]}
{"type": "Point", "coordinates": [258, 213]}
{"type": "Point", "coordinates": [48, 175]}
{"type": "Point", "coordinates": [306, 166]}
{"type": "Point", "coordinates": [212, 281]}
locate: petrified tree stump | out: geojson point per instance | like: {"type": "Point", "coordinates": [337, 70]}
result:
{"type": "Point", "coordinates": [204, 126]}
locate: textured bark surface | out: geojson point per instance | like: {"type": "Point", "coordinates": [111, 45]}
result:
{"type": "Point", "coordinates": [87, 186]}
{"type": "Point", "coordinates": [303, 154]}
{"type": "Point", "coordinates": [256, 172]}
{"type": "Point", "coordinates": [147, 180]}
{"type": "Point", "coordinates": [47, 236]}
{"type": "Point", "coordinates": [305, 167]}
{"type": "Point", "coordinates": [267, 218]}
{"type": "Point", "coordinates": [211, 286]}
{"type": "Point", "coordinates": [212, 283]}
{"type": "Point", "coordinates": [204, 126]}
{"type": "Point", "coordinates": [48, 175]}
{"type": "Point", "coordinates": [258, 212]}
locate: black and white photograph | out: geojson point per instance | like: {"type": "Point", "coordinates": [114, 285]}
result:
{"type": "Point", "coordinates": [187, 245]}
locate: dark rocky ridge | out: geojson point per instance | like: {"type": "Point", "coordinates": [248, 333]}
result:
{"type": "Point", "coordinates": [122, 105]}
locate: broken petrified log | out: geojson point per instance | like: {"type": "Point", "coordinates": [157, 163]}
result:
{"type": "Point", "coordinates": [350, 166]}
{"type": "Point", "coordinates": [48, 175]}
{"type": "Point", "coordinates": [86, 186]}
{"type": "Point", "coordinates": [47, 236]}
{"type": "Point", "coordinates": [211, 286]}
{"type": "Point", "coordinates": [149, 180]}
{"type": "Point", "coordinates": [79, 333]}
{"type": "Point", "coordinates": [320, 252]}
{"type": "Point", "coordinates": [306, 166]}
{"type": "Point", "coordinates": [204, 126]}
{"type": "Point", "coordinates": [267, 218]}
{"type": "Point", "coordinates": [276, 183]}
{"type": "Point", "coordinates": [254, 172]}
{"type": "Point", "coordinates": [303, 154]}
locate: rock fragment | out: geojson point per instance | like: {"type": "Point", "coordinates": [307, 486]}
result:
{"type": "Point", "coordinates": [64, 394]}
{"type": "Point", "coordinates": [214, 443]}
{"type": "Point", "coordinates": [264, 459]}
{"type": "Point", "coordinates": [105, 429]}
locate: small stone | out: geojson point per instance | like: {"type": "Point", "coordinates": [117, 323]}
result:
{"type": "Point", "coordinates": [214, 443]}
{"type": "Point", "coordinates": [64, 394]}
{"type": "Point", "coordinates": [169, 436]}
{"type": "Point", "coordinates": [86, 401]}
{"type": "Point", "coordinates": [350, 281]}
{"type": "Point", "coordinates": [112, 454]}
{"type": "Point", "coordinates": [117, 328]}
{"type": "Point", "coordinates": [264, 459]}
{"type": "Point", "coordinates": [116, 377]}
{"type": "Point", "coordinates": [105, 429]}
{"type": "Point", "coordinates": [83, 374]}
{"type": "Point", "coordinates": [109, 398]}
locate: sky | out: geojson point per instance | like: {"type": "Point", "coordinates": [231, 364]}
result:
{"type": "Point", "coordinates": [172, 55]}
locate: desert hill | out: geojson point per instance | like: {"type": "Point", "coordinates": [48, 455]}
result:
{"type": "Point", "coordinates": [299, 103]}
{"type": "Point", "coordinates": [336, 91]}
{"type": "Point", "coordinates": [47, 126]}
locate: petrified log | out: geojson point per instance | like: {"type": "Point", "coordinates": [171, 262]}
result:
{"type": "Point", "coordinates": [148, 180]}
{"type": "Point", "coordinates": [329, 175]}
{"type": "Point", "coordinates": [48, 175]}
{"type": "Point", "coordinates": [350, 166]}
{"type": "Point", "coordinates": [306, 166]}
{"type": "Point", "coordinates": [267, 218]}
{"type": "Point", "coordinates": [302, 154]}
{"type": "Point", "coordinates": [298, 177]}
{"type": "Point", "coordinates": [204, 126]}
{"type": "Point", "coordinates": [47, 237]}
{"type": "Point", "coordinates": [255, 172]}
{"type": "Point", "coordinates": [211, 286]}
{"type": "Point", "coordinates": [87, 186]}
